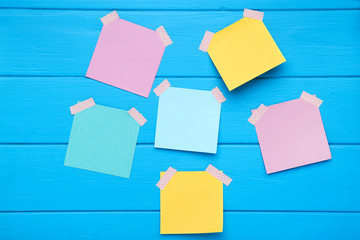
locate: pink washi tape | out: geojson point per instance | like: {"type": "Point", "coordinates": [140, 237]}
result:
{"type": "Point", "coordinates": [206, 41]}
{"type": "Point", "coordinates": [109, 17]}
{"type": "Point", "coordinates": [218, 174]}
{"type": "Point", "coordinates": [162, 87]}
{"type": "Point", "coordinates": [253, 14]}
{"type": "Point", "coordinates": [311, 99]}
{"type": "Point", "coordinates": [82, 106]}
{"type": "Point", "coordinates": [257, 114]}
{"type": "Point", "coordinates": [164, 180]}
{"type": "Point", "coordinates": [163, 36]}
{"type": "Point", "coordinates": [137, 116]}
{"type": "Point", "coordinates": [218, 95]}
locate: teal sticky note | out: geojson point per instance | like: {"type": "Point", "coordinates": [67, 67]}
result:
{"type": "Point", "coordinates": [187, 120]}
{"type": "Point", "coordinates": [103, 140]}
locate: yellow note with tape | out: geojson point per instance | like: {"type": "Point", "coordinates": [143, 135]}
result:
{"type": "Point", "coordinates": [243, 50]}
{"type": "Point", "coordinates": [191, 202]}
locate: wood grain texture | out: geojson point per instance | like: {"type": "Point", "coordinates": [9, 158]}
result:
{"type": "Point", "coordinates": [61, 43]}
{"type": "Point", "coordinates": [36, 109]}
{"type": "Point", "coordinates": [182, 4]}
{"type": "Point", "coordinates": [35, 178]}
{"type": "Point", "coordinates": [46, 47]}
{"type": "Point", "coordinates": [145, 225]}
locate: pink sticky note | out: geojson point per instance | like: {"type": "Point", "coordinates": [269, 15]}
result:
{"type": "Point", "coordinates": [291, 134]}
{"type": "Point", "coordinates": [127, 55]}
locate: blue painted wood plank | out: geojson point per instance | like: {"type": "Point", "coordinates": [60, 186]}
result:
{"type": "Point", "coordinates": [36, 109]}
{"type": "Point", "coordinates": [34, 178]}
{"type": "Point", "coordinates": [50, 42]}
{"type": "Point", "coordinates": [182, 4]}
{"type": "Point", "coordinates": [145, 225]}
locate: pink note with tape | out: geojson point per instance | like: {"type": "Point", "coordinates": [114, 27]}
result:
{"type": "Point", "coordinates": [291, 134]}
{"type": "Point", "coordinates": [127, 55]}
{"type": "Point", "coordinates": [82, 106]}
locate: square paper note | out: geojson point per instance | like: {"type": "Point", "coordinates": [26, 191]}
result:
{"type": "Point", "coordinates": [291, 134]}
{"type": "Point", "coordinates": [103, 139]}
{"type": "Point", "coordinates": [243, 50]}
{"type": "Point", "coordinates": [192, 202]}
{"type": "Point", "coordinates": [127, 55]}
{"type": "Point", "coordinates": [188, 120]}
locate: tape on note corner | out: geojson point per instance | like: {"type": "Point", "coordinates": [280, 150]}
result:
{"type": "Point", "coordinates": [82, 106]}
{"type": "Point", "coordinates": [205, 42]}
{"type": "Point", "coordinates": [257, 114]}
{"type": "Point", "coordinates": [311, 99]}
{"type": "Point", "coordinates": [137, 116]}
{"type": "Point", "coordinates": [218, 95]}
{"type": "Point", "coordinates": [109, 18]}
{"type": "Point", "coordinates": [253, 14]}
{"type": "Point", "coordinates": [162, 87]}
{"type": "Point", "coordinates": [165, 38]}
{"type": "Point", "coordinates": [164, 180]}
{"type": "Point", "coordinates": [218, 175]}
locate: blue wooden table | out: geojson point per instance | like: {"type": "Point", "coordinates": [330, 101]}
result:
{"type": "Point", "coordinates": [45, 49]}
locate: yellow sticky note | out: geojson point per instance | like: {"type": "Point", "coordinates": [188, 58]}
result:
{"type": "Point", "coordinates": [243, 51]}
{"type": "Point", "coordinates": [192, 202]}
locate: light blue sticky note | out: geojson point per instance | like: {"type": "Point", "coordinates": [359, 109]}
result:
{"type": "Point", "coordinates": [103, 139]}
{"type": "Point", "coordinates": [188, 120]}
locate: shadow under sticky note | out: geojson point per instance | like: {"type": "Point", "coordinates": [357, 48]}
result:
{"type": "Point", "coordinates": [127, 56]}
{"type": "Point", "coordinates": [291, 134]}
{"type": "Point", "coordinates": [103, 139]}
{"type": "Point", "coordinates": [192, 202]}
{"type": "Point", "coordinates": [188, 120]}
{"type": "Point", "coordinates": [243, 51]}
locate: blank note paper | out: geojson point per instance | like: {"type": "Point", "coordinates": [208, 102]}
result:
{"type": "Point", "coordinates": [188, 120]}
{"type": "Point", "coordinates": [191, 202]}
{"type": "Point", "coordinates": [243, 50]}
{"type": "Point", "coordinates": [291, 134]}
{"type": "Point", "coordinates": [103, 139]}
{"type": "Point", "coordinates": [127, 55]}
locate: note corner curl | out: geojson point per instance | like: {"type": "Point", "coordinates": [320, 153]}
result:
{"type": "Point", "coordinates": [311, 99]}
{"type": "Point", "coordinates": [205, 42]}
{"type": "Point", "coordinates": [164, 180]}
{"type": "Point", "coordinates": [82, 106]}
{"type": "Point", "coordinates": [138, 117]}
{"type": "Point", "coordinates": [218, 175]}
{"type": "Point", "coordinates": [164, 36]}
{"type": "Point", "coordinates": [253, 14]}
{"type": "Point", "coordinates": [108, 18]}
{"type": "Point", "coordinates": [218, 95]}
{"type": "Point", "coordinates": [257, 114]}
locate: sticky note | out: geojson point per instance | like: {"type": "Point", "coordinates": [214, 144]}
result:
{"type": "Point", "coordinates": [291, 134]}
{"type": "Point", "coordinates": [188, 120]}
{"type": "Point", "coordinates": [127, 55]}
{"type": "Point", "coordinates": [191, 202]}
{"type": "Point", "coordinates": [242, 51]}
{"type": "Point", "coordinates": [103, 139]}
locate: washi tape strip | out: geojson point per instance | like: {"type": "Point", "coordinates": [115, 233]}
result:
{"type": "Point", "coordinates": [218, 174]}
{"type": "Point", "coordinates": [218, 95]}
{"type": "Point", "coordinates": [162, 87]}
{"type": "Point", "coordinates": [109, 17]}
{"type": "Point", "coordinates": [164, 180]}
{"type": "Point", "coordinates": [205, 42]}
{"type": "Point", "coordinates": [82, 106]}
{"type": "Point", "coordinates": [311, 99]}
{"type": "Point", "coordinates": [253, 14]}
{"type": "Point", "coordinates": [257, 114]}
{"type": "Point", "coordinates": [165, 38]}
{"type": "Point", "coordinates": [137, 116]}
